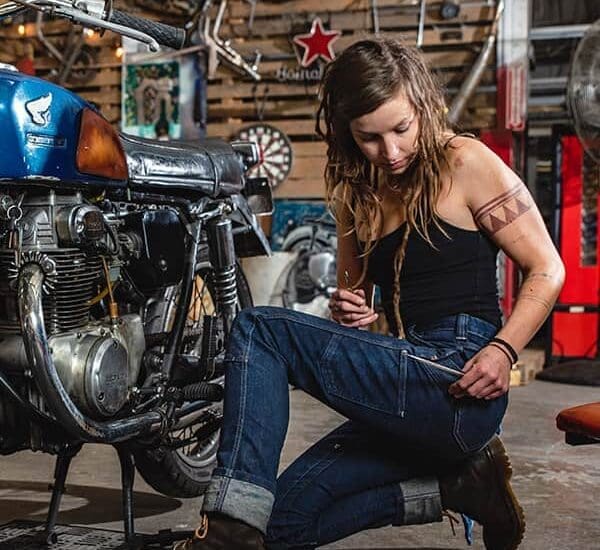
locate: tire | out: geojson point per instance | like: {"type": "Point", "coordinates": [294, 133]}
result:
{"type": "Point", "coordinates": [185, 473]}
{"type": "Point", "coordinates": [299, 287]}
{"type": "Point", "coordinates": [300, 239]}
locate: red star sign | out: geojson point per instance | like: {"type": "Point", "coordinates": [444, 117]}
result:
{"type": "Point", "coordinates": [317, 43]}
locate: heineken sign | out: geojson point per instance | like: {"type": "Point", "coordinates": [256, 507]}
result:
{"type": "Point", "coordinates": [314, 45]}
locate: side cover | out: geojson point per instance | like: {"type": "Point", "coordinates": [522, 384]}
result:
{"type": "Point", "coordinates": [39, 122]}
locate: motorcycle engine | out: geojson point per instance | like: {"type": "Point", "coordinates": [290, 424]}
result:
{"type": "Point", "coordinates": [97, 360]}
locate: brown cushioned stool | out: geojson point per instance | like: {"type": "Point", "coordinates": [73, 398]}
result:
{"type": "Point", "coordinates": [581, 424]}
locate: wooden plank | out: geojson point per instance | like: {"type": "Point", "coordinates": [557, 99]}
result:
{"type": "Point", "coordinates": [104, 57]}
{"type": "Point", "coordinates": [294, 188]}
{"type": "Point", "coordinates": [61, 27]}
{"type": "Point", "coordinates": [392, 17]}
{"type": "Point", "coordinates": [272, 109]}
{"type": "Point", "coordinates": [309, 149]}
{"type": "Point", "coordinates": [308, 168]}
{"type": "Point", "coordinates": [290, 127]}
{"type": "Point", "coordinates": [447, 59]}
{"type": "Point", "coordinates": [470, 120]}
{"type": "Point", "coordinates": [263, 9]}
{"type": "Point", "coordinates": [106, 77]}
{"type": "Point", "coordinates": [108, 96]}
{"type": "Point", "coordinates": [273, 91]}
{"type": "Point", "coordinates": [278, 46]}
{"type": "Point", "coordinates": [49, 27]}
{"type": "Point", "coordinates": [246, 89]}
{"type": "Point", "coordinates": [395, 15]}
{"type": "Point", "coordinates": [276, 110]}
{"type": "Point", "coordinates": [59, 39]}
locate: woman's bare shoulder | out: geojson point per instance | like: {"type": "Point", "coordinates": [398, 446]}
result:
{"type": "Point", "coordinates": [471, 161]}
{"type": "Point", "coordinates": [467, 152]}
{"type": "Point", "coordinates": [481, 176]}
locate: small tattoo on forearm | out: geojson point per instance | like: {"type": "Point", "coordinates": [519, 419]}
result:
{"type": "Point", "coordinates": [503, 209]}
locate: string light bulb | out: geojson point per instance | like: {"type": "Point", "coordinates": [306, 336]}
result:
{"type": "Point", "coordinates": [21, 29]}
{"type": "Point", "coordinates": [119, 52]}
{"type": "Point", "coordinates": [89, 33]}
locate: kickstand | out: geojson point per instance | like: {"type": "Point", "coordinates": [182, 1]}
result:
{"type": "Point", "coordinates": [133, 541]}
{"type": "Point", "coordinates": [63, 461]}
{"type": "Point", "coordinates": [127, 479]}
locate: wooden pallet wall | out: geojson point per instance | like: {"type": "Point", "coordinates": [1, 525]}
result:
{"type": "Point", "coordinates": [104, 85]}
{"type": "Point", "coordinates": [450, 47]}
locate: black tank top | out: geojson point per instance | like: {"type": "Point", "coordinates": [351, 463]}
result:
{"type": "Point", "coordinates": [457, 276]}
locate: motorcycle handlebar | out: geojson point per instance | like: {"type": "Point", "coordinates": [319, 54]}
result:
{"type": "Point", "coordinates": [166, 35]}
{"type": "Point", "coordinates": [10, 8]}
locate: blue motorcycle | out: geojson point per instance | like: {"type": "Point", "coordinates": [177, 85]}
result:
{"type": "Point", "coordinates": [119, 277]}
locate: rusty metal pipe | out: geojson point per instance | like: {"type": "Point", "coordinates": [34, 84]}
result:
{"type": "Point", "coordinates": [474, 77]}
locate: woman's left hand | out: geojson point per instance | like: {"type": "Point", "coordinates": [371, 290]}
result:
{"type": "Point", "coordinates": [350, 308]}
{"type": "Point", "coordinates": [486, 375]}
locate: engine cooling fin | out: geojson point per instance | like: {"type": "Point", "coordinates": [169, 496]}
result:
{"type": "Point", "coordinates": [71, 286]}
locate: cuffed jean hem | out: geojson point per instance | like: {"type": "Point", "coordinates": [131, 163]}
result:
{"type": "Point", "coordinates": [421, 501]}
{"type": "Point", "coordinates": [240, 500]}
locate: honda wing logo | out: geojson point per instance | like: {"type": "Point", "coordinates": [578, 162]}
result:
{"type": "Point", "coordinates": [39, 109]}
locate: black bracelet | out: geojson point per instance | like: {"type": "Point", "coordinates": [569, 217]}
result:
{"type": "Point", "coordinates": [506, 354]}
{"type": "Point", "coordinates": [511, 351]}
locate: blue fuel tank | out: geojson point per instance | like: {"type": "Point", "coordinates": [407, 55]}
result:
{"type": "Point", "coordinates": [39, 127]}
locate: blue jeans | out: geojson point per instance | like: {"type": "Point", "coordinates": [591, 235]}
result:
{"type": "Point", "coordinates": [378, 468]}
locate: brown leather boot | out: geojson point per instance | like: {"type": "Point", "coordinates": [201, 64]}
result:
{"type": "Point", "coordinates": [220, 532]}
{"type": "Point", "coordinates": [480, 489]}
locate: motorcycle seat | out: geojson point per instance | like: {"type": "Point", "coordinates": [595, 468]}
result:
{"type": "Point", "coordinates": [581, 424]}
{"type": "Point", "coordinates": [208, 167]}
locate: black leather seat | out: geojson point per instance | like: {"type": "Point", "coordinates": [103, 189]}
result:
{"type": "Point", "coordinates": [210, 167]}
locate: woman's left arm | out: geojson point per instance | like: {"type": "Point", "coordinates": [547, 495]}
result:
{"type": "Point", "coordinates": [503, 208]}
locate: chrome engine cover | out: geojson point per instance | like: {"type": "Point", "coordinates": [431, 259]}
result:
{"type": "Point", "coordinates": [93, 370]}
{"type": "Point", "coordinates": [99, 365]}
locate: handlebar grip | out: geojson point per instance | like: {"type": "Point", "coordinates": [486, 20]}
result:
{"type": "Point", "coordinates": [166, 35]}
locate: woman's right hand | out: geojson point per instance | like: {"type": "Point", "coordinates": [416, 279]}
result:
{"type": "Point", "coordinates": [349, 308]}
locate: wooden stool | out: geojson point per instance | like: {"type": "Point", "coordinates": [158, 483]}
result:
{"type": "Point", "coordinates": [581, 424]}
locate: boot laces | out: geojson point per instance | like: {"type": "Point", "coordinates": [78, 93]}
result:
{"type": "Point", "coordinates": [452, 519]}
{"type": "Point", "coordinates": [199, 534]}
{"type": "Point", "coordinates": [202, 529]}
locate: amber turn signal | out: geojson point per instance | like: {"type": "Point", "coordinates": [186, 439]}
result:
{"type": "Point", "coordinates": [99, 150]}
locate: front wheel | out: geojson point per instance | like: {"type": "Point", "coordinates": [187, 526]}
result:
{"type": "Point", "coordinates": [181, 465]}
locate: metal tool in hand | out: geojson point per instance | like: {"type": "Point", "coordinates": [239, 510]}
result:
{"type": "Point", "coordinates": [430, 363]}
{"type": "Point", "coordinates": [347, 281]}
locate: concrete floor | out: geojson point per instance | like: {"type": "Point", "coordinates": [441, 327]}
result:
{"type": "Point", "coordinates": [558, 485]}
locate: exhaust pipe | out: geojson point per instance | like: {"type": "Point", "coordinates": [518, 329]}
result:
{"type": "Point", "coordinates": [31, 278]}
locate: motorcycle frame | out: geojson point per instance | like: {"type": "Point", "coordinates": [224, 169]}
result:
{"type": "Point", "coordinates": [194, 215]}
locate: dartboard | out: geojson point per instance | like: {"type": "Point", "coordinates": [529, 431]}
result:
{"type": "Point", "coordinates": [275, 152]}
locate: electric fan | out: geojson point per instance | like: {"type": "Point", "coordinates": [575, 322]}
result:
{"type": "Point", "coordinates": [583, 98]}
{"type": "Point", "coordinates": [583, 93]}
